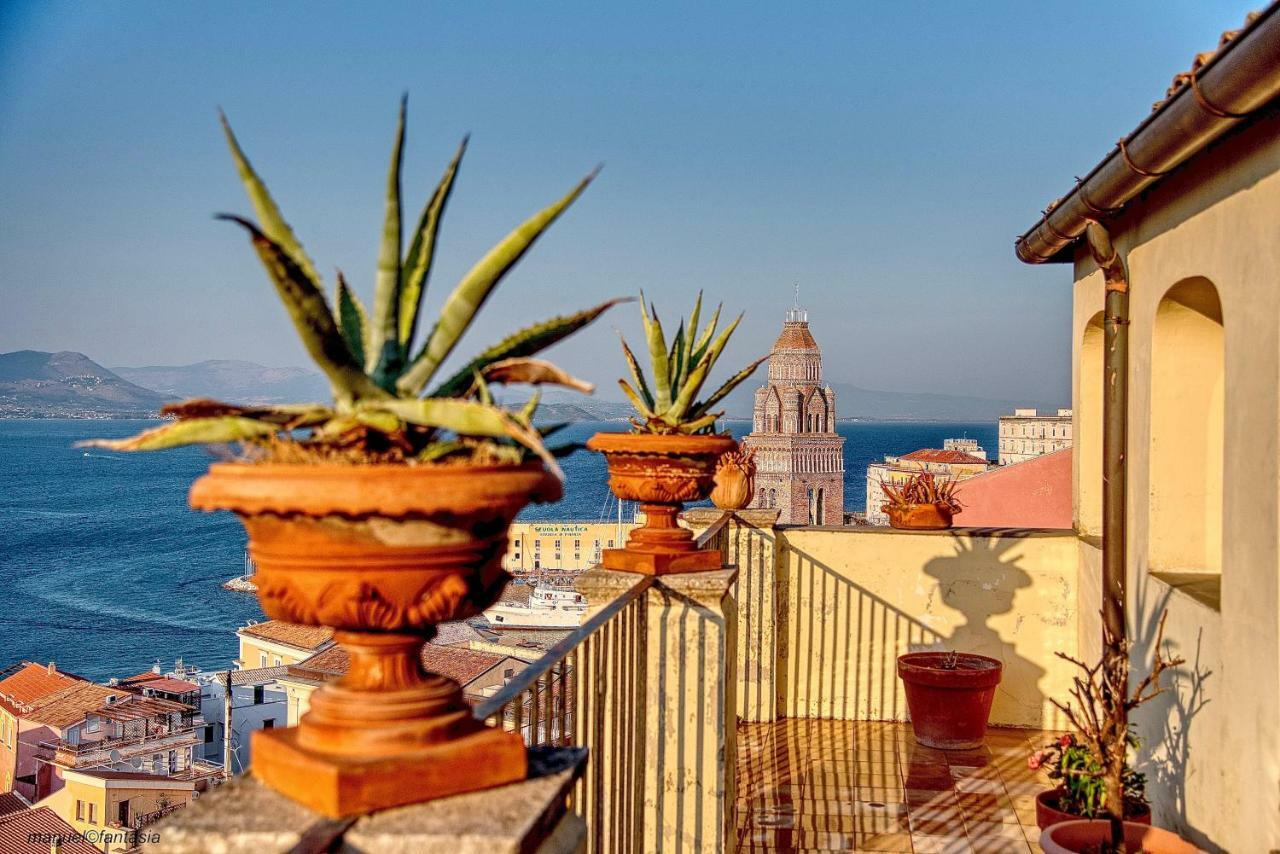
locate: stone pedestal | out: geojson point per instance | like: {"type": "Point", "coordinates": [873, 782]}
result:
{"type": "Point", "coordinates": [246, 817]}
{"type": "Point", "coordinates": [669, 784]}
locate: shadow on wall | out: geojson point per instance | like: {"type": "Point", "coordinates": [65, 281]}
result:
{"type": "Point", "coordinates": [1164, 724]}
{"type": "Point", "coordinates": [840, 640]}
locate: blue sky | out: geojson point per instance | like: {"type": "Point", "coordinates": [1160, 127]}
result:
{"type": "Point", "coordinates": [884, 156]}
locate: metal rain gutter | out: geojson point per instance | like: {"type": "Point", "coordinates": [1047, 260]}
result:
{"type": "Point", "coordinates": [1243, 76]}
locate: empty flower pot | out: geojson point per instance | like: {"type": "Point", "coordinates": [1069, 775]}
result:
{"type": "Point", "coordinates": [949, 696]}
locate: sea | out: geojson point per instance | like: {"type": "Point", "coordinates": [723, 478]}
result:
{"type": "Point", "coordinates": [105, 570]}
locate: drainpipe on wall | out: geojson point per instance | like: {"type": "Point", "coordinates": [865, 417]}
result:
{"type": "Point", "coordinates": [1115, 432]}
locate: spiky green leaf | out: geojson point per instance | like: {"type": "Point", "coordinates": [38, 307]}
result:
{"type": "Point", "coordinates": [384, 357]}
{"type": "Point", "coordinates": [422, 249]}
{"type": "Point", "coordinates": [532, 372]}
{"type": "Point", "coordinates": [476, 286]}
{"type": "Point", "coordinates": [698, 425]}
{"type": "Point", "coordinates": [680, 408]}
{"type": "Point", "coordinates": [637, 374]}
{"type": "Point", "coordinates": [526, 342]}
{"type": "Point", "coordinates": [704, 340]}
{"type": "Point", "coordinates": [675, 360]}
{"type": "Point", "coordinates": [312, 318]}
{"type": "Point", "coordinates": [268, 213]}
{"type": "Point", "coordinates": [690, 343]}
{"type": "Point", "coordinates": [658, 362]}
{"type": "Point", "coordinates": [644, 409]}
{"type": "Point", "coordinates": [352, 320]}
{"type": "Point", "coordinates": [192, 431]}
{"type": "Point", "coordinates": [530, 407]}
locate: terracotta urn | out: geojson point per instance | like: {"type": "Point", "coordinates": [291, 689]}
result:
{"type": "Point", "coordinates": [661, 473]}
{"type": "Point", "coordinates": [949, 696]}
{"type": "Point", "coordinates": [382, 554]}
{"type": "Point", "coordinates": [735, 479]}
{"type": "Point", "coordinates": [1076, 837]}
{"type": "Point", "coordinates": [1048, 814]}
{"type": "Point", "coordinates": [920, 517]}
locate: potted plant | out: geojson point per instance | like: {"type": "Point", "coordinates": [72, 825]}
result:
{"type": "Point", "coordinates": [921, 502]}
{"type": "Point", "coordinates": [1080, 790]}
{"type": "Point", "coordinates": [949, 696]}
{"type": "Point", "coordinates": [1100, 716]}
{"type": "Point", "coordinates": [385, 512]}
{"type": "Point", "coordinates": [670, 455]}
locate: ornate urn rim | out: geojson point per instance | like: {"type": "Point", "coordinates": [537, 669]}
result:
{"type": "Point", "coordinates": [660, 445]}
{"type": "Point", "coordinates": [359, 491]}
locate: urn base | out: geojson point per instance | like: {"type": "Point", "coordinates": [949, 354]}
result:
{"type": "Point", "coordinates": [340, 786]}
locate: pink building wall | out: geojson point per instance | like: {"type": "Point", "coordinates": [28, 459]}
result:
{"type": "Point", "coordinates": [1031, 494]}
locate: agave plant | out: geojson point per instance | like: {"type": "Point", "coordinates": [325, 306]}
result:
{"type": "Point", "coordinates": [381, 409]}
{"type": "Point", "coordinates": [922, 488]}
{"type": "Point", "coordinates": [679, 372]}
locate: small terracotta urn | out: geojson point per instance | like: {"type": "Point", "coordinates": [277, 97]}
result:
{"type": "Point", "coordinates": [735, 479]}
{"type": "Point", "coordinates": [920, 517]}
{"type": "Point", "coordinates": [661, 472]}
{"type": "Point", "coordinates": [382, 554]}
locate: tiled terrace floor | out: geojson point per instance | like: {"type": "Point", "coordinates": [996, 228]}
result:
{"type": "Point", "coordinates": [820, 785]}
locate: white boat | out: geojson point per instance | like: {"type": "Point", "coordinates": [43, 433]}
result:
{"type": "Point", "coordinates": [548, 608]}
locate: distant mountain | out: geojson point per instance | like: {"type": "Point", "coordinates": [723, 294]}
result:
{"type": "Point", "coordinates": [232, 381]}
{"type": "Point", "coordinates": [34, 384]}
{"type": "Point", "coordinates": [856, 402]}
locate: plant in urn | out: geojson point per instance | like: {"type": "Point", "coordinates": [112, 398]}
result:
{"type": "Point", "coordinates": [670, 455]}
{"type": "Point", "coordinates": [386, 512]}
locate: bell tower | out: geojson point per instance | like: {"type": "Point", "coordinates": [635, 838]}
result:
{"type": "Point", "coordinates": [799, 456]}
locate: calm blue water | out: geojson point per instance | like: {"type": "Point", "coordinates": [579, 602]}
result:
{"type": "Point", "coordinates": [104, 569]}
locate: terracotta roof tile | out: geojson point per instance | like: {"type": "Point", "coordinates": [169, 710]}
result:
{"type": "Point", "coordinates": [933, 455]}
{"type": "Point", "coordinates": [463, 665]}
{"type": "Point", "coordinates": [34, 682]}
{"type": "Point", "coordinates": [162, 683]}
{"type": "Point", "coordinates": [795, 336]}
{"type": "Point", "coordinates": [11, 802]}
{"type": "Point", "coordinates": [70, 705]}
{"type": "Point", "coordinates": [44, 824]}
{"type": "Point", "coordinates": [290, 634]}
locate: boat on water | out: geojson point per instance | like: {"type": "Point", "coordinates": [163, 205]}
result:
{"type": "Point", "coordinates": [549, 607]}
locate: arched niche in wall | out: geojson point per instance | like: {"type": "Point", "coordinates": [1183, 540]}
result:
{"type": "Point", "coordinates": [1185, 459]}
{"type": "Point", "coordinates": [1088, 441]}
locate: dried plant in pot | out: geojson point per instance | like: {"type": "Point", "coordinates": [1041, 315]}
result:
{"type": "Point", "coordinates": [671, 453]}
{"type": "Point", "coordinates": [921, 502]}
{"type": "Point", "coordinates": [1096, 774]}
{"type": "Point", "coordinates": [385, 512]}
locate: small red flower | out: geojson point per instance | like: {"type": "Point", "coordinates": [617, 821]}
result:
{"type": "Point", "coordinates": [1035, 760]}
{"type": "Point", "coordinates": [1065, 741]}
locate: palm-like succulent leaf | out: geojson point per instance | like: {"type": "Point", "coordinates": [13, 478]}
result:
{"type": "Point", "coordinates": [194, 431]}
{"type": "Point", "coordinates": [384, 358]}
{"type": "Point", "coordinates": [532, 372]}
{"type": "Point", "coordinates": [312, 318]}
{"type": "Point", "coordinates": [352, 320]}
{"type": "Point", "coordinates": [729, 385]}
{"type": "Point", "coordinates": [658, 359]}
{"type": "Point", "coordinates": [422, 249]}
{"type": "Point", "coordinates": [476, 286]}
{"type": "Point", "coordinates": [273, 222]}
{"type": "Point", "coordinates": [637, 374]}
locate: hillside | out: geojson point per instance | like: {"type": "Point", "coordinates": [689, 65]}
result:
{"type": "Point", "coordinates": [232, 381]}
{"type": "Point", "coordinates": [35, 384]}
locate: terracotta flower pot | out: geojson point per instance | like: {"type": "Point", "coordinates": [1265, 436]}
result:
{"type": "Point", "coordinates": [1048, 814]}
{"type": "Point", "coordinates": [382, 554]}
{"type": "Point", "coordinates": [661, 473]}
{"type": "Point", "coordinates": [1074, 837]}
{"type": "Point", "coordinates": [920, 517]}
{"type": "Point", "coordinates": [949, 706]}
{"type": "Point", "coordinates": [735, 480]}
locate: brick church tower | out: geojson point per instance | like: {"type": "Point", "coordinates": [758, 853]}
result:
{"type": "Point", "coordinates": [799, 457]}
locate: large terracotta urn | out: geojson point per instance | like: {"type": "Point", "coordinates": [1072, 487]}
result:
{"type": "Point", "coordinates": [661, 472]}
{"type": "Point", "coordinates": [936, 516]}
{"type": "Point", "coordinates": [382, 554]}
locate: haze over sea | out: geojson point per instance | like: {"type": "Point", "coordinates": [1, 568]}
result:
{"type": "Point", "coordinates": [105, 569]}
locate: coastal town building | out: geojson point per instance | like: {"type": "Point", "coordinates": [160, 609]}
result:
{"type": "Point", "coordinates": [945, 464]}
{"type": "Point", "coordinates": [274, 643]}
{"type": "Point", "coordinates": [480, 674]}
{"type": "Point", "coordinates": [965, 446]}
{"type": "Point", "coordinates": [110, 804]}
{"type": "Point", "coordinates": [1026, 434]}
{"type": "Point", "coordinates": [21, 687]}
{"type": "Point", "coordinates": [25, 829]}
{"type": "Point", "coordinates": [570, 546]}
{"type": "Point", "coordinates": [799, 457]}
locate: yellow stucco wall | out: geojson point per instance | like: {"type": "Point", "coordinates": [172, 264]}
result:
{"type": "Point", "coordinates": [1212, 747]}
{"type": "Point", "coordinates": [252, 649]}
{"type": "Point", "coordinates": [853, 599]}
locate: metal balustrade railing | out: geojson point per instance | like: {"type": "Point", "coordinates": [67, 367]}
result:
{"type": "Point", "coordinates": [585, 691]}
